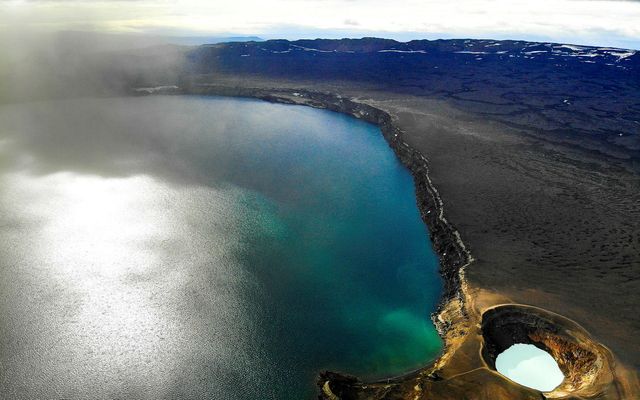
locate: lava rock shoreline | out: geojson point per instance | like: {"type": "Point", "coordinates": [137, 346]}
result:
{"type": "Point", "coordinates": [462, 370]}
{"type": "Point", "coordinates": [452, 253]}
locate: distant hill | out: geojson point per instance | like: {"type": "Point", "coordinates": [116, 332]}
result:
{"type": "Point", "coordinates": [461, 49]}
{"type": "Point", "coordinates": [566, 90]}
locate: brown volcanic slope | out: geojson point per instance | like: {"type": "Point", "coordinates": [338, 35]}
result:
{"type": "Point", "coordinates": [551, 216]}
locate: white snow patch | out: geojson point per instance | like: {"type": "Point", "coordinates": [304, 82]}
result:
{"type": "Point", "coordinates": [580, 55]}
{"type": "Point", "coordinates": [310, 49]}
{"type": "Point", "coordinates": [571, 47]}
{"type": "Point", "coordinates": [622, 55]}
{"type": "Point", "coordinates": [402, 51]}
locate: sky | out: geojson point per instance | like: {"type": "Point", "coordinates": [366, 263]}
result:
{"type": "Point", "coordinates": [589, 22]}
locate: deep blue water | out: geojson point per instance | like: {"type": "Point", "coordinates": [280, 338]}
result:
{"type": "Point", "coordinates": [202, 247]}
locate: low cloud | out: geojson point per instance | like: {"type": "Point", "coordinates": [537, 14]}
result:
{"type": "Point", "coordinates": [601, 22]}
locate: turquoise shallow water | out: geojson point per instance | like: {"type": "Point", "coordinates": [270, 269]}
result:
{"type": "Point", "coordinates": [192, 247]}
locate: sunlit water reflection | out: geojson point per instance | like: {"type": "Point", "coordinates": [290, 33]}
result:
{"type": "Point", "coordinates": [204, 248]}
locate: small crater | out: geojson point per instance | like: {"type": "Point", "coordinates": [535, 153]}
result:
{"type": "Point", "coordinates": [583, 362]}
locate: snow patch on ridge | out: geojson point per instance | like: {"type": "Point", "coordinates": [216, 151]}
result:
{"type": "Point", "coordinates": [402, 51]}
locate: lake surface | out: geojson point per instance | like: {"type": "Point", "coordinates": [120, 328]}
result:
{"type": "Point", "coordinates": [202, 247]}
{"type": "Point", "coordinates": [530, 366]}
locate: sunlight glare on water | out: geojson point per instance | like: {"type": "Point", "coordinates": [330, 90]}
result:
{"type": "Point", "coordinates": [191, 247]}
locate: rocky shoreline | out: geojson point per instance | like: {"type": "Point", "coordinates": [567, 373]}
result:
{"type": "Point", "coordinates": [452, 252]}
{"type": "Point", "coordinates": [533, 146]}
{"type": "Point", "coordinates": [464, 367]}
{"type": "Point", "coordinates": [446, 240]}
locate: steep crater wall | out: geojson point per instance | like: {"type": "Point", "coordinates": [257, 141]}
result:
{"type": "Point", "coordinates": [585, 363]}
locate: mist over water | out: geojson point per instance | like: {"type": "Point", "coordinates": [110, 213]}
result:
{"type": "Point", "coordinates": [191, 247]}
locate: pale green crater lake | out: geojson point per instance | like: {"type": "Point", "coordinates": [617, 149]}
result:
{"type": "Point", "coordinates": [530, 366]}
{"type": "Point", "coordinates": [202, 247]}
